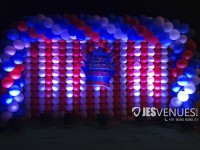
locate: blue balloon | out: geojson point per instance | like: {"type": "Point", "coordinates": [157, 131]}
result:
{"type": "Point", "coordinates": [149, 24]}
{"type": "Point", "coordinates": [176, 87]}
{"type": "Point", "coordinates": [33, 40]}
{"type": "Point", "coordinates": [24, 36]}
{"type": "Point", "coordinates": [13, 34]}
{"type": "Point", "coordinates": [190, 72]}
{"type": "Point", "coordinates": [6, 99]}
{"type": "Point", "coordinates": [80, 35]}
{"type": "Point", "coordinates": [178, 48]}
{"type": "Point", "coordinates": [89, 20]}
{"type": "Point", "coordinates": [118, 20]}
{"type": "Point", "coordinates": [8, 65]}
{"type": "Point", "coordinates": [143, 19]}
{"type": "Point", "coordinates": [182, 80]}
{"type": "Point", "coordinates": [103, 34]}
{"type": "Point", "coordinates": [49, 34]}
{"type": "Point", "coordinates": [184, 28]}
{"type": "Point", "coordinates": [40, 28]}
{"type": "Point", "coordinates": [110, 38]}
{"type": "Point", "coordinates": [125, 28]}
{"type": "Point", "coordinates": [31, 21]}
{"type": "Point", "coordinates": [18, 59]}
{"type": "Point", "coordinates": [158, 30]}
{"type": "Point", "coordinates": [14, 90]}
{"type": "Point", "coordinates": [139, 38]}
{"type": "Point", "coordinates": [172, 56]}
{"type": "Point", "coordinates": [20, 82]}
{"type": "Point", "coordinates": [63, 23]}
{"type": "Point", "coordinates": [72, 30]}
{"type": "Point", "coordinates": [173, 94]}
{"type": "Point", "coordinates": [23, 52]}
{"type": "Point", "coordinates": [132, 35]}
{"type": "Point", "coordinates": [97, 26]}
{"type": "Point", "coordinates": [164, 38]}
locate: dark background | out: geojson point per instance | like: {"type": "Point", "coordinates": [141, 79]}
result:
{"type": "Point", "coordinates": [187, 11]}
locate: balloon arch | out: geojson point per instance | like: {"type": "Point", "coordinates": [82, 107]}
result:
{"type": "Point", "coordinates": [41, 67]}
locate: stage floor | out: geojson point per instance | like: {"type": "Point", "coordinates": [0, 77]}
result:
{"type": "Point", "coordinates": [89, 135]}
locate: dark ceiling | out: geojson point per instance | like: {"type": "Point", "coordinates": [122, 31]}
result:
{"type": "Point", "coordinates": [185, 11]}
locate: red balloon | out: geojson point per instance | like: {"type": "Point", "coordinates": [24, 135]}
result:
{"type": "Point", "coordinates": [21, 26]}
{"type": "Point", "coordinates": [141, 30]}
{"type": "Point", "coordinates": [21, 66]}
{"type": "Point", "coordinates": [33, 33]}
{"type": "Point", "coordinates": [135, 22]}
{"type": "Point", "coordinates": [130, 93]}
{"type": "Point", "coordinates": [157, 86]}
{"type": "Point", "coordinates": [148, 35]}
{"type": "Point", "coordinates": [175, 72]}
{"type": "Point", "coordinates": [95, 37]}
{"type": "Point", "coordinates": [188, 54]}
{"type": "Point", "coordinates": [130, 65]}
{"type": "Point", "coordinates": [7, 82]}
{"type": "Point", "coordinates": [191, 45]}
{"type": "Point", "coordinates": [157, 93]}
{"type": "Point", "coordinates": [157, 72]}
{"type": "Point", "coordinates": [80, 24]}
{"type": "Point", "coordinates": [88, 31]}
{"type": "Point", "coordinates": [182, 63]}
{"type": "Point", "coordinates": [15, 73]}
{"type": "Point", "coordinates": [127, 18]}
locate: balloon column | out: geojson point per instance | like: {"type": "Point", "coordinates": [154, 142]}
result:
{"type": "Point", "coordinates": [41, 65]}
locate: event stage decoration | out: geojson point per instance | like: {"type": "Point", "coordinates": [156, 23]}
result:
{"type": "Point", "coordinates": [149, 62]}
{"type": "Point", "coordinates": [99, 68]}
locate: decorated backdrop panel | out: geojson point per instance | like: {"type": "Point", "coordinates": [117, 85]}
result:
{"type": "Point", "coordinates": [88, 65]}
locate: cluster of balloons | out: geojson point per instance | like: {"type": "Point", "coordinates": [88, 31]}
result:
{"type": "Point", "coordinates": [170, 34]}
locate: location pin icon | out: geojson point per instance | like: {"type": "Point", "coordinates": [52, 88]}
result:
{"type": "Point", "coordinates": [136, 111]}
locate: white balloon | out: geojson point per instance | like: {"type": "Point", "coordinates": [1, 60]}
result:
{"type": "Point", "coordinates": [65, 35]}
{"type": "Point", "coordinates": [19, 98]}
{"type": "Point", "coordinates": [48, 22]}
{"type": "Point", "coordinates": [137, 65]}
{"type": "Point", "coordinates": [175, 102]}
{"type": "Point", "coordinates": [56, 29]}
{"type": "Point", "coordinates": [183, 96]}
{"type": "Point", "coordinates": [9, 50]}
{"type": "Point", "coordinates": [159, 20]}
{"type": "Point", "coordinates": [174, 34]}
{"type": "Point", "coordinates": [13, 107]}
{"type": "Point", "coordinates": [183, 39]}
{"type": "Point", "coordinates": [111, 28]}
{"type": "Point", "coordinates": [136, 86]}
{"type": "Point", "coordinates": [118, 33]}
{"type": "Point", "coordinates": [104, 21]}
{"type": "Point", "coordinates": [168, 26]}
{"type": "Point", "coordinates": [137, 45]}
{"type": "Point", "coordinates": [18, 44]}
{"type": "Point", "coordinates": [190, 88]}
{"type": "Point", "coordinates": [137, 52]}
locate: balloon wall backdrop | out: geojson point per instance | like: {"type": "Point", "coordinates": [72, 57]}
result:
{"type": "Point", "coordinates": [41, 67]}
